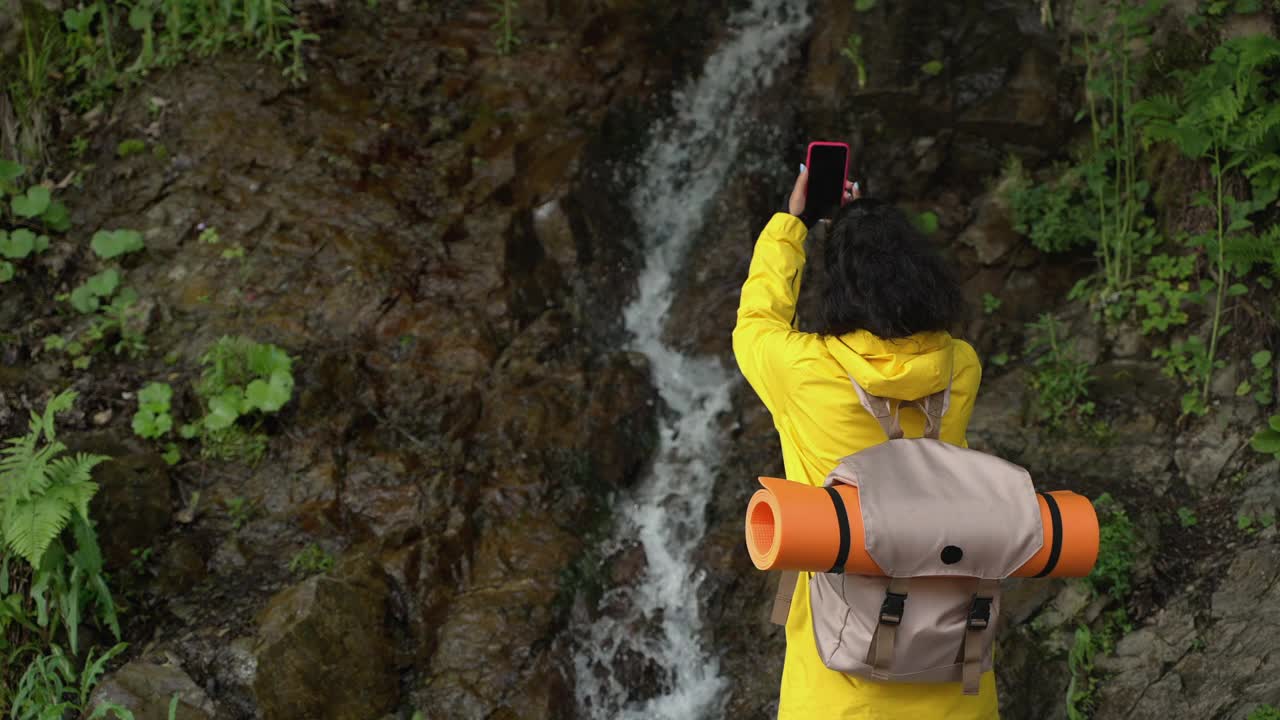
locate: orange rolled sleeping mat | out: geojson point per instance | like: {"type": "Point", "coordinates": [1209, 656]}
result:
{"type": "Point", "coordinates": [793, 526]}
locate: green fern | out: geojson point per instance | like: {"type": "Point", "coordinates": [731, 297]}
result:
{"type": "Point", "coordinates": [40, 487]}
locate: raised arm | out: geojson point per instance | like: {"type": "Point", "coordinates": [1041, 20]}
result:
{"type": "Point", "coordinates": [767, 310]}
{"type": "Point", "coordinates": [765, 339]}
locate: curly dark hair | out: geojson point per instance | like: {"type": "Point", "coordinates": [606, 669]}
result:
{"type": "Point", "coordinates": [883, 276]}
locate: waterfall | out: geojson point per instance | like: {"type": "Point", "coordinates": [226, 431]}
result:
{"type": "Point", "coordinates": [690, 159]}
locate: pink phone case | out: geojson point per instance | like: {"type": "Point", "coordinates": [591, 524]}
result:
{"type": "Point", "coordinates": [808, 156]}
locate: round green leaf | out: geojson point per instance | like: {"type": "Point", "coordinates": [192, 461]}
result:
{"type": "Point", "coordinates": [270, 396]}
{"type": "Point", "coordinates": [1266, 441]}
{"type": "Point", "coordinates": [33, 203]}
{"type": "Point", "coordinates": [6, 271]}
{"type": "Point", "coordinates": [104, 283]}
{"type": "Point", "coordinates": [172, 456]}
{"type": "Point", "coordinates": [83, 299]}
{"type": "Point", "coordinates": [932, 68]}
{"type": "Point", "coordinates": [109, 244]}
{"type": "Point", "coordinates": [156, 395]}
{"type": "Point", "coordinates": [189, 431]}
{"type": "Point", "coordinates": [17, 244]}
{"type": "Point", "coordinates": [224, 409]}
{"type": "Point", "coordinates": [1261, 359]}
{"type": "Point", "coordinates": [10, 171]}
{"type": "Point", "coordinates": [56, 216]}
{"type": "Point", "coordinates": [1274, 422]}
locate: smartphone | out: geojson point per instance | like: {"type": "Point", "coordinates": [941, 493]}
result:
{"type": "Point", "coordinates": [828, 164]}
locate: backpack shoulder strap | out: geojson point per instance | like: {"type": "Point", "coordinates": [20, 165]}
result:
{"type": "Point", "coordinates": [782, 599]}
{"type": "Point", "coordinates": [933, 406]}
{"type": "Point", "coordinates": [881, 409]}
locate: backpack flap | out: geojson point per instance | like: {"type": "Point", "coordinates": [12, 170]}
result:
{"type": "Point", "coordinates": [930, 508]}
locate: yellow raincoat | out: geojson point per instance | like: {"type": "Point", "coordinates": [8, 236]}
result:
{"type": "Point", "coordinates": [803, 379]}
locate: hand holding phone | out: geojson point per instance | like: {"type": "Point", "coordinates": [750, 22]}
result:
{"type": "Point", "coordinates": [822, 186]}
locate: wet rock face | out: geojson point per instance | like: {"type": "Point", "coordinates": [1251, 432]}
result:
{"type": "Point", "coordinates": [1223, 666]}
{"type": "Point", "coordinates": [324, 650]}
{"type": "Point", "coordinates": [433, 232]}
{"type": "Point", "coordinates": [147, 688]}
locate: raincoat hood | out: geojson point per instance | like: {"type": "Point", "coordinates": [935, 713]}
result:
{"type": "Point", "coordinates": [905, 369]}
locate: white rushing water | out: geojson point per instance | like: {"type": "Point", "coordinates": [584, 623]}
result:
{"type": "Point", "coordinates": [689, 160]}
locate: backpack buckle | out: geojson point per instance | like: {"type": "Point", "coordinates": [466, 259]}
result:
{"type": "Point", "coordinates": [979, 613]}
{"type": "Point", "coordinates": [892, 608]}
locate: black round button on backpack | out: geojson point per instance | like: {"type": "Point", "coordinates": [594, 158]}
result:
{"type": "Point", "coordinates": [951, 555]}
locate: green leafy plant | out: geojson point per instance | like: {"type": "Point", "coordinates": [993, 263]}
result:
{"type": "Point", "coordinates": [1187, 517]}
{"type": "Point", "coordinates": [863, 5]}
{"type": "Point", "coordinates": [43, 488]}
{"type": "Point", "coordinates": [51, 572]}
{"type": "Point", "coordinates": [933, 68]}
{"type": "Point", "coordinates": [87, 298]}
{"type": "Point", "coordinates": [1267, 440]}
{"type": "Point", "coordinates": [1264, 712]}
{"type": "Point", "coordinates": [54, 687]}
{"type": "Point", "coordinates": [1054, 216]}
{"type": "Point", "coordinates": [311, 560]}
{"type": "Point", "coordinates": [31, 213]}
{"type": "Point", "coordinates": [242, 379]}
{"type": "Point", "coordinates": [1117, 539]}
{"type": "Point", "coordinates": [1060, 378]}
{"type": "Point", "coordinates": [853, 51]}
{"type": "Point", "coordinates": [153, 420]}
{"type": "Point", "coordinates": [1260, 381]}
{"type": "Point", "coordinates": [240, 511]}
{"type": "Point", "coordinates": [1189, 360]}
{"type": "Point", "coordinates": [132, 146]}
{"type": "Point", "coordinates": [1225, 115]}
{"type": "Point", "coordinates": [1166, 292]}
{"type": "Point", "coordinates": [506, 28]}
{"type": "Point", "coordinates": [990, 304]}
{"type": "Point", "coordinates": [109, 244]}
{"type": "Point", "coordinates": [927, 222]}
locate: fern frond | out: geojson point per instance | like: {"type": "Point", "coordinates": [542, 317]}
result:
{"type": "Point", "coordinates": [30, 525]}
{"type": "Point", "coordinates": [1254, 51]}
{"type": "Point", "coordinates": [1163, 106]}
{"type": "Point", "coordinates": [60, 403]}
{"type": "Point", "coordinates": [25, 474]}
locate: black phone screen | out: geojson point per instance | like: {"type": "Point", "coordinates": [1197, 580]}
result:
{"type": "Point", "coordinates": [827, 165]}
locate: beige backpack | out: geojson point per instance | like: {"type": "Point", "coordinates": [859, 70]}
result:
{"type": "Point", "coordinates": [946, 524]}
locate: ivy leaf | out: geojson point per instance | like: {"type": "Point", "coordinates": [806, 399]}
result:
{"type": "Point", "coordinates": [84, 300]}
{"type": "Point", "coordinates": [149, 424]}
{"type": "Point", "coordinates": [104, 283]}
{"type": "Point", "coordinates": [57, 217]}
{"type": "Point", "coordinates": [270, 396]}
{"type": "Point", "coordinates": [6, 271]}
{"type": "Point", "coordinates": [17, 244]}
{"type": "Point", "coordinates": [1266, 441]}
{"type": "Point", "coordinates": [10, 171]}
{"type": "Point", "coordinates": [172, 456]}
{"type": "Point", "coordinates": [113, 243]}
{"type": "Point", "coordinates": [224, 409]}
{"type": "Point", "coordinates": [155, 395]}
{"type": "Point", "coordinates": [33, 203]}
{"type": "Point", "coordinates": [267, 359]}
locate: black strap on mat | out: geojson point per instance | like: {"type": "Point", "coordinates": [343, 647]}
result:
{"type": "Point", "coordinates": [1055, 550]}
{"type": "Point", "coordinates": [842, 518]}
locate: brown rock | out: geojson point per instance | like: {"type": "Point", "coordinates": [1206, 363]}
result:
{"type": "Point", "coordinates": [146, 689]}
{"type": "Point", "coordinates": [324, 650]}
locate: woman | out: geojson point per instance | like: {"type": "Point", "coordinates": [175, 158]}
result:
{"type": "Point", "coordinates": [883, 322]}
